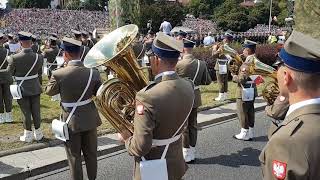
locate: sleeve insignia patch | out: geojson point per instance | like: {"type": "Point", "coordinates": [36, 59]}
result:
{"type": "Point", "coordinates": [279, 169]}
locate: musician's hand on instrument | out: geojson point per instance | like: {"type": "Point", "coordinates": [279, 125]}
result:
{"type": "Point", "coordinates": [124, 135]}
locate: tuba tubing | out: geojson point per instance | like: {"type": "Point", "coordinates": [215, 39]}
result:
{"type": "Point", "coordinates": [115, 98]}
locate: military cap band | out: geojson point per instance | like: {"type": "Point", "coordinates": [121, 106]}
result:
{"type": "Point", "coordinates": [165, 53]}
{"type": "Point", "coordinates": [70, 45]}
{"type": "Point", "coordinates": [299, 63]}
{"type": "Point", "coordinates": [188, 44]}
{"type": "Point", "coordinates": [24, 36]}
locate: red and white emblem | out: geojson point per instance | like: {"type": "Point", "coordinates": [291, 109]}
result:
{"type": "Point", "coordinates": [279, 169]}
{"type": "Point", "coordinates": [140, 109]}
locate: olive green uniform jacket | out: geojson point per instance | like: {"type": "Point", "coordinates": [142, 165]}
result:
{"type": "Point", "coordinates": [162, 107]}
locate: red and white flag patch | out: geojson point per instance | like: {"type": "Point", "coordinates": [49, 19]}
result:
{"type": "Point", "coordinates": [140, 109]}
{"type": "Point", "coordinates": [279, 169]}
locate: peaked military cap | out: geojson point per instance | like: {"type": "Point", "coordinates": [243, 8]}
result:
{"type": "Point", "coordinates": [10, 35]}
{"type": "Point", "coordinates": [301, 51]}
{"type": "Point", "coordinates": [54, 34]}
{"type": "Point", "coordinates": [24, 36]}
{"type": "Point", "coordinates": [76, 33]}
{"type": "Point", "coordinates": [84, 33]}
{"type": "Point", "coordinates": [249, 44]}
{"type": "Point", "coordinates": [70, 45]}
{"type": "Point", "coordinates": [188, 43]}
{"type": "Point", "coordinates": [228, 35]}
{"type": "Point", "coordinates": [52, 38]}
{"type": "Point", "coordinates": [165, 46]}
{"type": "Point", "coordinates": [182, 33]}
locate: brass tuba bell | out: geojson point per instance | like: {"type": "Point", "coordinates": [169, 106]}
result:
{"type": "Point", "coordinates": [271, 89]}
{"type": "Point", "coordinates": [116, 97]}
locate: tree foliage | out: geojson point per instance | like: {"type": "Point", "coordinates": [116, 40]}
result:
{"type": "Point", "coordinates": [29, 3]}
{"type": "Point", "coordinates": [173, 12]}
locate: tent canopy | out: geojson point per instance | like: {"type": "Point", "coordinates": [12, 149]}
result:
{"type": "Point", "coordinates": [181, 28]}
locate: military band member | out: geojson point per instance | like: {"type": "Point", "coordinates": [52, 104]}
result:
{"type": "Point", "coordinates": [249, 51]}
{"type": "Point", "coordinates": [5, 81]}
{"type": "Point", "coordinates": [19, 65]}
{"type": "Point", "coordinates": [86, 41]}
{"type": "Point", "coordinates": [245, 94]}
{"type": "Point", "coordinates": [51, 54]}
{"type": "Point", "coordinates": [221, 68]}
{"type": "Point", "coordinates": [195, 70]}
{"type": "Point", "coordinates": [93, 38]}
{"type": "Point", "coordinates": [12, 44]}
{"type": "Point", "coordinates": [85, 120]}
{"type": "Point", "coordinates": [58, 42]}
{"type": "Point", "coordinates": [162, 108]}
{"type": "Point", "coordinates": [293, 149]}
{"type": "Point", "coordinates": [181, 35]}
{"type": "Point", "coordinates": [83, 49]}
{"type": "Point", "coordinates": [35, 46]}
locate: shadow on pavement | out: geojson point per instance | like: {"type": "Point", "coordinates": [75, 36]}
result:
{"type": "Point", "coordinates": [261, 139]}
{"type": "Point", "coordinates": [218, 111]}
{"type": "Point", "coordinates": [247, 156]}
{"type": "Point", "coordinates": [7, 169]}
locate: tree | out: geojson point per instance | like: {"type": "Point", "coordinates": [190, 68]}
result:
{"type": "Point", "coordinates": [158, 11]}
{"type": "Point", "coordinates": [230, 15]}
{"type": "Point", "coordinates": [29, 3]}
{"type": "Point", "coordinates": [200, 8]}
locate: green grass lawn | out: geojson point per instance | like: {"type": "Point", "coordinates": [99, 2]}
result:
{"type": "Point", "coordinates": [9, 133]}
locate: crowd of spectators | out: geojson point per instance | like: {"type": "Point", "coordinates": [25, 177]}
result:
{"type": "Point", "coordinates": [201, 26]}
{"type": "Point", "coordinates": [262, 28]}
{"type": "Point", "coordinates": [45, 21]}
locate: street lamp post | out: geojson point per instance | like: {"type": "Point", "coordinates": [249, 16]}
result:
{"type": "Point", "coordinates": [270, 16]}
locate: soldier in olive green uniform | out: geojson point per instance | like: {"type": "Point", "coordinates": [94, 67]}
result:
{"type": "Point", "coordinates": [5, 81]}
{"type": "Point", "coordinates": [19, 65]}
{"type": "Point", "coordinates": [35, 46]}
{"type": "Point", "coordinates": [51, 55]}
{"type": "Point", "coordinates": [86, 41]}
{"type": "Point", "coordinates": [83, 49]}
{"type": "Point", "coordinates": [85, 120]}
{"type": "Point", "coordinates": [195, 70]}
{"type": "Point", "coordinates": [245, 94]}
{"type": "Point", "coordinates": [162, 108]}
{"type": "Point", "coordinates": [293, 149]}
{"type": "Point", "coordinates": [221, 69]}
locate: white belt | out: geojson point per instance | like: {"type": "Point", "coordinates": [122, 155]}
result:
{"type": "Point", "coordinates": [164, 142]}
{"type": "Point", "coordinates": [26, 78]}
{"type": "Point", "coordinates": [81, 103]}
{"type": "Point", "coordinates": [52, 63]}
{"type": "Point", "coordinates": [3, 70]}
{"type": "Point", "coordinates": [196, 87]}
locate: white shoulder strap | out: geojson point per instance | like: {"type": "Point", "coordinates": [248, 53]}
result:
{"type": "Point", "coordinates": [55, 60]}
{"type": "Point", "coordinates": [84, 49]}
{"type": "Point", "coordinates": [198, 68]}
{"type": "Point", "coordinates": [5, 59]}
{"type": "Point", "coordinates": [167, 146]}
{"type": "Point", "coordinates": [83, 93]}
{"type": "Point", "coordinates": [35, 62]}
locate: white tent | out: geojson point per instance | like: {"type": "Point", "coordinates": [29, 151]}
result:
{"type": "Point", "coordinates": [181, 28]}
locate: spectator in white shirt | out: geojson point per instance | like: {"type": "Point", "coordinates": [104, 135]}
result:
{"type": "Point", "coordinates": [208, 40]}
{"type": "Point", "coordinates": [165, 27]}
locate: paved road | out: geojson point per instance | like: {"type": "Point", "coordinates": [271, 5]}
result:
{"type": "Point", "coordinates": [219, 156]}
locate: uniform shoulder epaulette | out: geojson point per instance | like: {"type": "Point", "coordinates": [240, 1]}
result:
{"type": "Point", "coordinates": [149, 86]}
